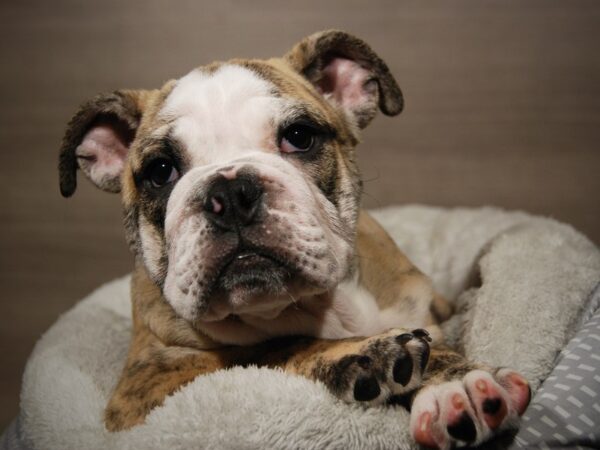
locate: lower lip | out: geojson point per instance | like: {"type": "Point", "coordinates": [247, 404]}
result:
{"type": "Point", "coordinates": [250, 261]}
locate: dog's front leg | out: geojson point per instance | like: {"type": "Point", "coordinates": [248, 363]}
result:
{"type": "Point", "coordinates": [393, 279]}
{"type": "Point", "coordinates": [452, 400]}
{"type": "Point", "coordinates": [152, 372]}
{"type": "Point", "coordinates": [367, 370]}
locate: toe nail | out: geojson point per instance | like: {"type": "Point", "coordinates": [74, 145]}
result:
{"type": "Point", "coordinates": [423, 433]}
{"type": "Point", "coordinates": [425, 419]}
{"type": "Point", "coordinates": [404, 338]}
{"type": "Point", "coordinates": [366, 388]}
{"type": "Point", "coordinates": [519, 380]}
{"type": "Point", "coordinates": [403, 369]}
{"type": "Point", "coordinates": [481, 386]}
{"type": "Point", "coordinates": [422, 334]}
{"type": "Point", "coordinates": [458, 402]}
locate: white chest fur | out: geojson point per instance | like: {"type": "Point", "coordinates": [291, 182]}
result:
{"type": "Point", "coordinates": [349, 311]}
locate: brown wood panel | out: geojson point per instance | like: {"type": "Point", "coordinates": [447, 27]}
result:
{"type": "Point", "coordinates": [503, 108]}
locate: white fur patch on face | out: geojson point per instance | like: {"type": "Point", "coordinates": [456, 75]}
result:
{"type": "Point", "coordinates": [222, 115]}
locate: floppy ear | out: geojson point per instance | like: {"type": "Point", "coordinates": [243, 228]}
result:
{"type": "Point", "coordinates": [348, 73]}
{"type": "Point", "coordinates": [98, 138]}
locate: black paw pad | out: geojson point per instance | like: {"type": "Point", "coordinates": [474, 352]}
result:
{"type": "Point", "coordinates": [366, 388]}
{"type": "Point", "coordinates": [364, 362]}
{"type": "Point", "coordinates": [404, 338]}
{"type": "Point", "coordinates": [491, 405]}
{"type": "Point", "coordinates": [464, 429]}
{"type": "Point", "coordinates": [403, 369]}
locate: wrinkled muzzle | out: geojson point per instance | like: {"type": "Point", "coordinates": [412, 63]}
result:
{"type": "Point", "coordinates": [250, 237]}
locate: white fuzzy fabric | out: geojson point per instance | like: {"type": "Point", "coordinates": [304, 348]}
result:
{"type": "Point", "coordinates": [536, 273]}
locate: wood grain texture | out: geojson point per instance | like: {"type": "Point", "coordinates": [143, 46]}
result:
{"type": "Point", "coordinates": [502, 108]}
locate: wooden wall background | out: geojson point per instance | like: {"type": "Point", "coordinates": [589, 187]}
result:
{"type": "Point", "coordinates": [502, 108]}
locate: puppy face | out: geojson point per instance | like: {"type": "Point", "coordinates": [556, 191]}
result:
{"type": "Point", "coordinates": [239, 181]}
{"type": "Point", "coordinates": [243, 193]}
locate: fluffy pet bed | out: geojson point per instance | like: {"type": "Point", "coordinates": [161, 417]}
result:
{"type": "Point", "coordinates": [521, 285]}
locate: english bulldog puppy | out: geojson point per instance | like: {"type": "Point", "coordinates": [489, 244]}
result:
{"type": "Point", "coordinates": [241, 199]}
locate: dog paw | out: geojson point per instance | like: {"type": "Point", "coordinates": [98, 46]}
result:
{"type": "Point", "coordinates": [389, 364]}
{"type": "Point", "coordinates": [468, 411]}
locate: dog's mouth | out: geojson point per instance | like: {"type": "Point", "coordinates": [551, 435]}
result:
{"type": "Point", "coordinates": [253, 270]}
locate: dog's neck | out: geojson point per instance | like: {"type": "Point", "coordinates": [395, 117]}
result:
{"type": "Point", "coordinates": [349, 310]}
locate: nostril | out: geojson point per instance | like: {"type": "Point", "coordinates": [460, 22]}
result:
{"type": "Point", "coordinates": [233, 203]}
{"type": "Point", "coordinates": [248, 194]}
{"type": "Point", "coordinates": [215, 204]}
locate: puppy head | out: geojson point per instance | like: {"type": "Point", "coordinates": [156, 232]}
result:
{"type": "Point", "coordinates": [239, 182]}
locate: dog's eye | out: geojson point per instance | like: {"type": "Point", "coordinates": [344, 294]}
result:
{"type": "Point", "coordinates": [297, 138]}
{"type": "Point", "coordinates": [161, 172]}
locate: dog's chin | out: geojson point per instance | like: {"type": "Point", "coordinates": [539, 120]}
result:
{"type": "Point", "coordinates": [253, 281]}
{"type": "Point", "coordinates": [252, 274]}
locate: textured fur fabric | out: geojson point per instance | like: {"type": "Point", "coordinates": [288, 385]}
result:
{"type": "Point", "coordinates": [520, 284]}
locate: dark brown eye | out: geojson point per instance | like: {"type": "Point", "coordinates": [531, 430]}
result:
{"type": "Point", "coordinates": [161, 172]}
{"type": "Point", "coordinates": [297, 138]}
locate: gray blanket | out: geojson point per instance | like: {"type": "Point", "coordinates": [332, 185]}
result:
{"type": "Point", "coordinates": [535, 279]}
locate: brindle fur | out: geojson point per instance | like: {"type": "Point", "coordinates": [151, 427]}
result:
{"type": "Point", "coordinates": [166, 351]}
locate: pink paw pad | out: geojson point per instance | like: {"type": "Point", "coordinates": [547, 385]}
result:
{"type": "Point", "coordinates": [517, 387]}
{"type": "Point", "coordinates": [488, 397]}
{"type": "Point", "coordinates": [443, 414]}
{"type": "Point", "coordinates": [468, 411]}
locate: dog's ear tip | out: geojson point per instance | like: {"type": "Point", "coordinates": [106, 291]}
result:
{"type": "Point", "coordinates": [340, 61]}
{"type": "Point", "coordinates": [395, 107]}
{"type": "Point", "coordinates": [391, 103]}
{"type": "Point", "coordinates": [67, 192]}
{"type": "Point", "coordinates": [68, 187]}
{"type": "Point", "coordinates": [67, 170]}
{"type": "Point", "coordinates": [106, 124]}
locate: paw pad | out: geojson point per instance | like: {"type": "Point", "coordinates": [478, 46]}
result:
{"type": "Point", "coordinates": [464, 428]}
{"type": "Point", "coordinates": [403, 370]}
{"type": "Point", "coordinates": [470, 410]}
{"type": "Point", "coordinates": [383, 366]}
{"type": "Point", "coordinates": [366, 389]}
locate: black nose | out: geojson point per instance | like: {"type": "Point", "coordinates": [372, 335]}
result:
{"type": "Point", "coordinates": [231, 204]}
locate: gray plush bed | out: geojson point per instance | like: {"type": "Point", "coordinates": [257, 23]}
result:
{"type": "Point", "coordinates": [537, 295]}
